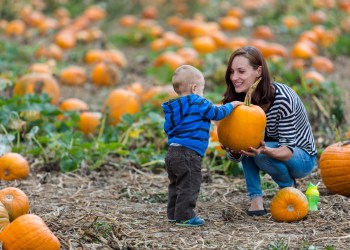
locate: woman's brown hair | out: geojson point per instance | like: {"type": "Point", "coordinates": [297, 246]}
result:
{"type": "Point", "coordinates": [264, 93]}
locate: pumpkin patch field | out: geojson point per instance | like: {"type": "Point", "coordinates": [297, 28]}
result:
{"type": "Point", "coordinates": [82, 144]}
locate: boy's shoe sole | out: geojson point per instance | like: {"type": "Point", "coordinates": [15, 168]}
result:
{"type": "Point", "coordinates": [172, 221]}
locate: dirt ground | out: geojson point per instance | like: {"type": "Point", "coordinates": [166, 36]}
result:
{"type": "Point", "coordinates": [121, 207]}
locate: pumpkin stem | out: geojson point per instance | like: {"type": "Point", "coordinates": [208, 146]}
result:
{"type": "Point", "coordinates": [248, 96]}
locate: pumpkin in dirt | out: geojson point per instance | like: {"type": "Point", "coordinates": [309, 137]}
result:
{"type": "Point", "coordinates": [29, 232]}
{"type": "Point", "coordinates": [15, 201]}
{"type": "Point", "coordinates": [34, 83]}
{"type": "Point", "coordinates": [4, 217]}
{"type": "Point", "coordinates": [289, 204]}
{"type": "Point", "coordinates": [13, 166]}
{"type": "Point", "coordinates": [335, 168]}
{"type": "Point", "coordinates": [244, 127]}
{"type": "Point", "coordinates": [120, 102]}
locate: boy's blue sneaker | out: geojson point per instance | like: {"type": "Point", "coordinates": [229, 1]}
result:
{"type": "Point", "coordinates": [194, 222]}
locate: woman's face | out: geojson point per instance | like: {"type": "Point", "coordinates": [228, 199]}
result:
{"type": "Point", "coordinates": [242, 74]}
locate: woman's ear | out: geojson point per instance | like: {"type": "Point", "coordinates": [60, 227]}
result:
{"type": "Point", "coordinates": [259, 71]}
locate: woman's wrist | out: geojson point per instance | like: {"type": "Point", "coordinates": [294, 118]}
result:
{"type": "Point", "coordinates": [235, 157]}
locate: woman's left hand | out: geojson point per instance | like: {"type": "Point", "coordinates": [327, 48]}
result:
{"type": "Point", "coordinates": [252, 152]}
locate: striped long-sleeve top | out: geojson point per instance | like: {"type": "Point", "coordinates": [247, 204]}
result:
{"type": "Point", "coordinates": [287, 121]}
{"type": "Point", "coordinates": [187, 120]}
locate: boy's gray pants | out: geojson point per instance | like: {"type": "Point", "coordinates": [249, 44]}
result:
{"type": "Point", "coordinates": [184, 171]}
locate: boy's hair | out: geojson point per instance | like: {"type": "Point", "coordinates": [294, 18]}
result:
{"type": "Point", "coordinates": [184, 77]}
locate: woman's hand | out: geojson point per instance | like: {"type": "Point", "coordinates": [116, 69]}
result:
{"type": "Point", "coordinates": [231, 151]}
{"type": "Point", "coordinates": [233, 155]}
{"type": "Point", "coordinates": [252, 152]}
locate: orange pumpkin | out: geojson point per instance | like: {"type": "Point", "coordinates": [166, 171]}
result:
{"type": "Point", "coordinates": [105, 74]}
{"type": "Point", "coordinates": [214, 138]}
{"type": "Point", "coordinates": [15, 201]}
{"type": "Point", "coordinates": [13, 166]}
{"type": "Point", "coordinates": [15, 28]}
{"type": "Point", "coordinates": [89, 122]}
{"type": "Point", "coordinates": [120, 102]}
{"type": "Point", "coordinates": [289, 204]}
{"type": "Point", "coordinates": [34, 83]}
{"type": "Point", "coordinates": [73, 75]}
{"type": "Point", "coordinates": [335, 168]}
{"type": "Point", "coordinates": [71, 104]}
{"type": "Point", "coordinates": [4, 217]}
{"type": "Point", "coordinates": [322, 64]}
{"type": "Point", "coordinates": [204, 44]}
{"type": "Point", "coordinates": [66, 39]}
{"type": "Point", "coordinates": [34, 235]}
{"type": "Point", "coordinates": [244, 127]}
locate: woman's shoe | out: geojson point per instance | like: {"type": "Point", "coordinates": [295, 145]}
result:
{"type": "Point", "coordinates": [257, 212]}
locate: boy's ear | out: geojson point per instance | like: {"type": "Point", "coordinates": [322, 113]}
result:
{"type": "Point", "coordinates": [193, 88]}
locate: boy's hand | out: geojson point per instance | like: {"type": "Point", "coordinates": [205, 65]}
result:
{"type": "Point", "coordinates": [236, 103]}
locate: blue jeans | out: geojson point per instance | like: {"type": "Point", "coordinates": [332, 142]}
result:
{"type": "Point", "coordinates": [282, 172]}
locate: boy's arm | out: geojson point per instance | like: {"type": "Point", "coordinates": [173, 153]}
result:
{"type": "Point", "coordinates": [217, 113]}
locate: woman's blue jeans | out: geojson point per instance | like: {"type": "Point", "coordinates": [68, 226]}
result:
{"type": "Point", "coordinates": [282, 172]}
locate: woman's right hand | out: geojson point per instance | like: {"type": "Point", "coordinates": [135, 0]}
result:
{"type": "Point", "coordinates": [231, 151]}
{"type": "Point", "coordinates": [233, 155]}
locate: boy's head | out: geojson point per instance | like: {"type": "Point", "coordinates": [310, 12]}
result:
{"type": "Point", "coordinates": [188, 80]}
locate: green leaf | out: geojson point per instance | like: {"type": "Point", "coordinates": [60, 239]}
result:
{"type": "Point", "coordinates": [68, 164]}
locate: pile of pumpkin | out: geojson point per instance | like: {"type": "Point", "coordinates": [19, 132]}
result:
{"type": "Point", "coordinates": [18, 229]}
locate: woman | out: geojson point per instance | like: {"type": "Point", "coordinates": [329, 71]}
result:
{"type": "Point", "coordinates": [288, 150]}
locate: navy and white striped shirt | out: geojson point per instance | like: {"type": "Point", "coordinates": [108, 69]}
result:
{"type": "Point", "coordinates": [287, 121]}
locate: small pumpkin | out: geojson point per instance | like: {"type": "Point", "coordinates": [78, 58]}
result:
{"type": "Point", "coordinates": [73, 75]}
{"type": "Point", "coordinates": [244, 127]}
{"type": "Point", "coordinates": [89, 122]}
{"type": "Point", "coordinates": [15, 201]}
{"type": "Point", "coordinates": [105, 74]}
{"type": "Point", "coordinates": [120, 102]}
{"type": "Point", "coordinates": [72, 104]}
{"type": "Point", "coordinates": [4, 217]}
{"type": "Point", "coordinates": [65, 39]}
{"type": "Point", "coordinates": [289, 204]}
{"type": "Point", "coordinates": [34, 83]}
{"type": "Point", "coordinates": [34, 235]}
{"type": "Point", "coordinates": [335, 168]}
{"type": "Point", "coordinates": [13, 166]}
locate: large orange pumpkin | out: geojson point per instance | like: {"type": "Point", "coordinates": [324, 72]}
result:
{"type": "Point", "coordinates": [15, 201]}
{"type": "Point", "coordinates": [34, 83]}
{"type": "Point", "coordinates": [289, 204]}
{"type": "Point", "coordinates": [29, 232]}
{"type": "Point", "coordinates": [13, 166]}
{"type": "Point", "coordinates": [4, 217]}
{"type": "Point", "coordinates": [244, 127]}
{"type": "Point", "coordinates": [335, 168]}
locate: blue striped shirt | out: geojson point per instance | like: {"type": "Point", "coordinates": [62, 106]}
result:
{"type": "Point", "coordinates": [287, 121]}
{"type": "Point", "coordinates": [187, 120]}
